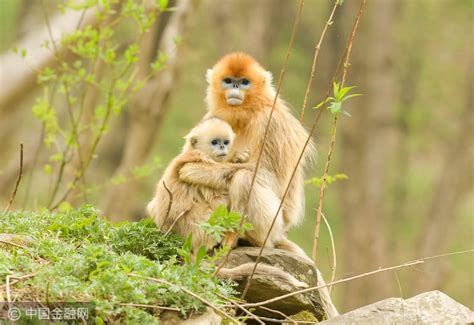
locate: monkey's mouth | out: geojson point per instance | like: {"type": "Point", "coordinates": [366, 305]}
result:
{"type": "Point", "coordinates": [234, 100]}
{"type": "Point", "coordinates": [222, 155]}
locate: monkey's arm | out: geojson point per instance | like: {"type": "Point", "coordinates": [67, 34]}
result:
{"type": "Point", "coordinates": [240, 156]}
{"type": "Point", "coordinates": [215, 176]}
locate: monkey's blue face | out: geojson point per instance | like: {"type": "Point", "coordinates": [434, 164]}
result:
{"type": "Point", "coordinates": [220, 148]}
{"type": "Point", "coordinates": [235, 89]}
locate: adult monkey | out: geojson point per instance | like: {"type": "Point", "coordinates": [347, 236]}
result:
{"type": "Point", "coordinates": [241, 93]}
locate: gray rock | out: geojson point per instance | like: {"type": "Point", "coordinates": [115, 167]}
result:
{"type": "Point", "coordinates": [265, 287]}
{"type": "Point", "coordinates": [433, 307]}
{"type": "Point", "coordinates": [16, 239]}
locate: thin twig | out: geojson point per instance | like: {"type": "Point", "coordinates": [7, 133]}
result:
{"type": "Point", "coordinates": [278, 313]}
{"type": "Point", "coordinates": [323, 188]}
{"type": "Point", "coordinates": [401, 296]}
{"type": "Point", "coordinates": [7, 280]}
{"type": "Point", "coordinates": [267, 127]}
{"type": "Point", "coordinates": [65, 151]}
{"type": "Point", "coordinates": [20, 174]}
{"type": "Point", "coordinates": [174, 222]}
{"type": "Point", "coordinates": [204, 301]}
{"type": "Point", "coordinates": [170, 202]}
{"type": "Point", "coordinates": [315, 58]}
{"type": "Point", "coordinates": [13, 244]}
{"type": "Point", "coordinates": [245, 310]}
{"type": "Point", "coordinates": [284, 321]}
{"type": "Point", "coordinates": [8, 283]}
{"type": "Point", "coordinates": [294, 293]}
{"type": "Point", "coordinates": [333, 135]}
{"type": "Point", "coordinates": [391, 268]}
{"type": "Point", "coordinates": [149, 306]}
{"type": "Point", "coordinates": [333, 247]}
{"type": "Point", "coordinates": [18, 278]}
{"type": "Point", "coordinates": [310, 134]}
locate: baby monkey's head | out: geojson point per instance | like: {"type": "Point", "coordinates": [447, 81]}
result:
{"type": "Point", "coordinates": [213, 137]}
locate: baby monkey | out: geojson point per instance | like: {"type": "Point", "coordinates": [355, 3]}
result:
{"type": "Point", "coordinates": [180, 205]}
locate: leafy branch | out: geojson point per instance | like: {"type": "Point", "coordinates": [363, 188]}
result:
{"type": "Point", "coordinates": [96, 49]}
{"type": "Point", "coordinates": [334, 104]}
{"type": "Point", "coordinates": [341, 94]}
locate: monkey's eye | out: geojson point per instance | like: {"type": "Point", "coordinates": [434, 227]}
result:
{"type": "Point", "coordinates": [245, 82]}
{"type": "Point", "coordinates": [214, 142]}
{"type": "Point", "coordinates": [226, 142]}
{"type": "Point", "coordinates": [227, 81]}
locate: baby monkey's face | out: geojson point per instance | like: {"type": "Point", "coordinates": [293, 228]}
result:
{"type": "Point", "coordinates": [220, 147]}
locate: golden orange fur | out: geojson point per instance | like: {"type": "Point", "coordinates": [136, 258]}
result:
{"type": "Point", "coordinates": [286, 136]}
{"type": "Point", "coordinates": [283, 145]}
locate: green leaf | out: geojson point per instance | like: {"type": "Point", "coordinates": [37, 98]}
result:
{"type": "Point", "coordinates": [177, 40]}
{"type": "Point", "coordinates": [335, 89]}
{"type": "Point", "coordinates": [335, 107]}
{"type": "Point", "coordinates": [160, 61]}
{"type": "Point", "coordinates": [162, 4]}
{"type": "Point", "coordinates": [323, 102]}
{"type": "Point", "coordinates": [131, 54]}
{"type": "Point", "coordinates": [56, 157]}
{"type": "Point", "coordinates": [350, 96]}
{"type": "Point", "coordinates": [343, 92]}
{"type": "Point", "coordinates": [48, 169]}
{"type": "Point", "coordinates": [200, 255]}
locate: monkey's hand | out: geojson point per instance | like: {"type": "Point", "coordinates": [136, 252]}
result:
{"type": "Point", "coordinates": [229, 239]}
{"type": "Point", "coordinates": [240, 156]}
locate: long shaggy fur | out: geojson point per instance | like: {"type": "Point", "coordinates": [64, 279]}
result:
{"type": "Point", "coordinates": [193, 203]}
{"type": "Point", "coordinates": [286, 136]}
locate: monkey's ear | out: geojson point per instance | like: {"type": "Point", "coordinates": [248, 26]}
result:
{"type": "Point", "coordinates": [268, 78]}
{"type": "Point", "coordinates": [209, 76]}
{"type": "Point", "coordinates": [193, 140]}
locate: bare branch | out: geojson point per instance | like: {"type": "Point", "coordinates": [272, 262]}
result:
{"type": "Point", "coordinates": [267, 127]}
{"type": "Point", "coordinates": [20, 174]}
{"type": "Point", "coordinates": [333, 246]}
{"type": "Point", "coordinates": [279, 313]}
{"type": "Point", "coordinates": [391, 268]}
{"type": "Point", "coordinates": [333, 135]}
{"type": "Point", "coordinates": [149, 306]}
{"type": "Point", "coordinates": [288, 185]}
{"type": "Point", "coordinates": [13, 244]}
{"type": "Point", "coordinates": [294, 293]}
{"type": "Point", "coordinates": [174, 222]}
{"type": "Point", "coordinates": [315, 58]}
{"type": "Point", "coordinates": [150, 104]}
{"type": "Point", "coordinates": [245, 310]}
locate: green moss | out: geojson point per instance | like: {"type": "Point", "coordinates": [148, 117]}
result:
{"type": "Point", "coordinates": [304, 316]}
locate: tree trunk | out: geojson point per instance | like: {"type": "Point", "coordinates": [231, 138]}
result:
{"type": "Point", "coordinates": [149, 107]}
